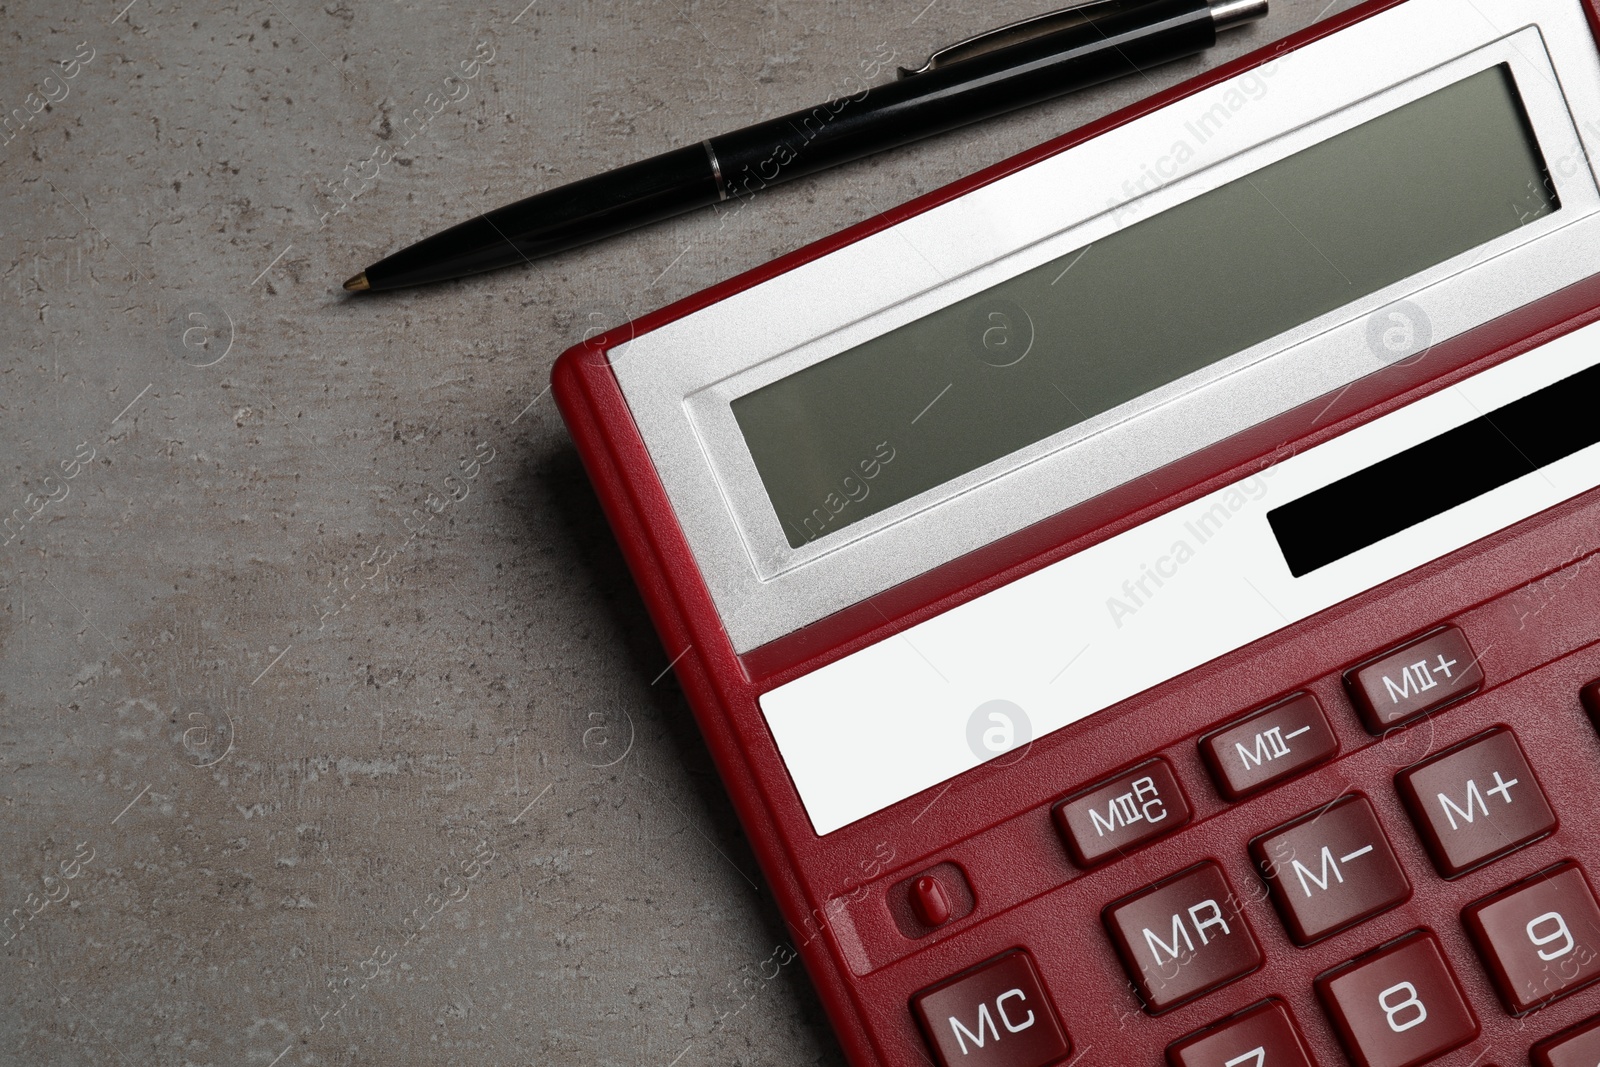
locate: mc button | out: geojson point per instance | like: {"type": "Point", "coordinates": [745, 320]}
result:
{"type": "Point", "coordinates": [995, 1015]}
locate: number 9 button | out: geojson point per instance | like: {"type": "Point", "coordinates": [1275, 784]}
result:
{"type": "Point", "coordinates": [1540, 939]}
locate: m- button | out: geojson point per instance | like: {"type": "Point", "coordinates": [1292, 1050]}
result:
{"type": "Point", "coordinates": [1414, 679]}
{"type": "Point", "coordinates": [995, 1015]}
{"type": "Point", "coordinates": [1182, 937]}
{"type": "Point", "coordinates": [1476, 802]}
{"type": "Point", "coordinates": [1330, 869]}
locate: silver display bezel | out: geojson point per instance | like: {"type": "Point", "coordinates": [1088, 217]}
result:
{"type": "Point", "coordinates": [679, 380]}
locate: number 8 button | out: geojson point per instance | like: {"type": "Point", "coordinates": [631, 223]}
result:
{"type": "Point", "coordinates": [1399, 1006]}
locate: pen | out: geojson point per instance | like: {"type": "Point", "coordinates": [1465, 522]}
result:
{"type": "Point", "coordinates": [1025, 63]}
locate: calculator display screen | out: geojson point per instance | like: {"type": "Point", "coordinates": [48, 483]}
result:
{"type": "Point", "coordinates": [1158, 300]}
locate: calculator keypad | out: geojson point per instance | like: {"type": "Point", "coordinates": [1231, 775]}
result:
{"type": "Point", "coordinates": [1399, 1006]}
{"type": "Point", "coordinates": [995, 1015]}
{"type": "Point", "coordinates": [1263, 1036]}
{"type": "Point", "coordinates": [1476, 802]}
{"type": "Point", "coordinates": [1415, 679]}
{"type": "Point", "coordinates": [1131, 809]}
{"type": "Point", "coordinates": [1330, 869]}
{"type": "Point", "coordinates": [1539, 939]}
{"type": "Point", "coordinates": [1267, 746]}
{"type": "Point", "coordinates": [1182, 937]}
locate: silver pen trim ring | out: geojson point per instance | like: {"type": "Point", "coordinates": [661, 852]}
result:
{"type": "Point", "coordinates": [716, 170]}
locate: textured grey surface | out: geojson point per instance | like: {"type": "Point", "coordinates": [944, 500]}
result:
{"type": "Point", "coordinates": [331, 729]}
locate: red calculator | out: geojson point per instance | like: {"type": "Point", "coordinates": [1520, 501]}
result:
{"type": "Point", "coordinates": [1144, 600]}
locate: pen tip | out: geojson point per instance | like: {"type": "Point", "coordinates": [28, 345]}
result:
{"type": "Point", "coordinates": [358, 284]}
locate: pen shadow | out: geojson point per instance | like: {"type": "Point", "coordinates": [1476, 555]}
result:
{"type": "Point", "coordinates": [556, 485]}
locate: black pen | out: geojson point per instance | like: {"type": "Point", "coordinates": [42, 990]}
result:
{"type": "Point", "coordinates": [996, 72]}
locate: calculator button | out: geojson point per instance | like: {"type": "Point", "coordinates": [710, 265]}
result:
{"type": "Point", "coordinates": [1264, 1036]}
{"type": "Point", "coordinates": [995, 1015]}
{"type": "Point", "coordinates": [1578, 1047]}
{"type": "Point", "coordinates": [1102, 823]}
{"type": "Point", "coordinates": [929, 901]}
{"type": "Point", "coordinates": [1399, 1006]}
{"type": "Point", "coordinates": [1420, 677]}
{"type": "Point", "coordinates": [939, 893]}
{"type": "Point", "coordinates": [1269, 745]}
{"type": "Point", "coordinates": [1476, 802]}
{"type": "Point", "coordinates": [1182, 937]}
{"type": "Point", "coordinates": [1540, 939]}
{"type": "Point", "coordinates": [1330, 869]}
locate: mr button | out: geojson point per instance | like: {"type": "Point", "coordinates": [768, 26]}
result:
{"type": "Point", "coordinates": [1182, 937]}
{"type": "Point", "coordinates": [995, 1015]}
{"type": "Point", "coordinates": [1426, 674]}
{"type": "Point", "coordinates": [1476, 802]}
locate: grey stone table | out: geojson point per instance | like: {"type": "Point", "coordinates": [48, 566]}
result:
{"type": "Point", "coordinates": [331, 728]}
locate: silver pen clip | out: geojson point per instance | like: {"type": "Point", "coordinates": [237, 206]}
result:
{"type": "Point", "coordinates": [1024, 30]}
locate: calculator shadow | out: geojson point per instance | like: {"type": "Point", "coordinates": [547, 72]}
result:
{"type": "Point", "coordinates": [556, 501]}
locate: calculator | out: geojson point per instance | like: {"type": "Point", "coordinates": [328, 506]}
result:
{"type": "Point", "coordinates": [1143, 600]}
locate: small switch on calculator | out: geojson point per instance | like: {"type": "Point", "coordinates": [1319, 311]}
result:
{"type": "Point", "coordinates": [929, 901]}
